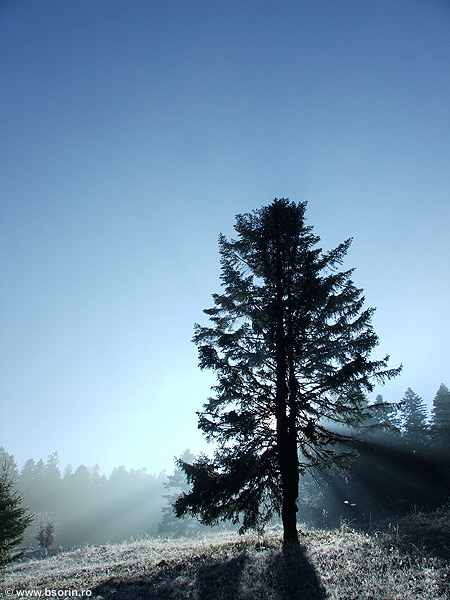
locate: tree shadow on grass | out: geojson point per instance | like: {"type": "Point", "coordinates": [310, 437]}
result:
{"type": "Point", "coordinates": [202, 578]}
{"type": "Point", "coordinates": [281, 574]}
{"type": "Point", "coordinates": [290, 576]}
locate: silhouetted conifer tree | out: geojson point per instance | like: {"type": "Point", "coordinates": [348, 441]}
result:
{"type": "Point", "coordinates": [14, 518]}
{"type": "Point", "coordinates": [176, 484]}
{"type": "Point", "coordinates": [290, 343]}
{"type": "Point", "coordinates": [414, 422]}
{"type": "Point", "coordinates": [387, 413]}
{"type": "Point", "coordinates": [440, 423]}
{"type": "Point", "coordinates": [28, 471]}
{"type": "Point", "coordinates": [52, 472]}
{"type": "Point", "coordinates": [9, 463]}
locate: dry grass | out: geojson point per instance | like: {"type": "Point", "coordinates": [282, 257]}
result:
{"type": "Point", "coordinates": [405, 561]}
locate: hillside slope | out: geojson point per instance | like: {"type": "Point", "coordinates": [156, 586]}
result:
{"type": "Point", "coordinates": [406, 561]}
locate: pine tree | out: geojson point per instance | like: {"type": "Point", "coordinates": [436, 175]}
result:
{"type": "Point", "coordinates": [387, 413]}
{"type": "Point", "coordinates": [14, 518]}
{"type": "Point", "coordinates": [176, 484]}
{"type": "Point", "coordinates": [8, 462]}
{"type": "Point", "coordinates": [290, 344]}
{"type": "Point", "coordinates": [414, 422]}
{"type": "Point", "coordinates": [440, 423]}
{"type": "Point", "coordinates": [52, 472]}
{"type": "Point", "coordinates": [383, 424]}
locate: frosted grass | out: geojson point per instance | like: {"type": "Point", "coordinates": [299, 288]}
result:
{"type": "Point", "coordinates": [404, 560]}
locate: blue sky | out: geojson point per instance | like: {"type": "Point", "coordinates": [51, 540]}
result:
{"type": "Point", "coordinates": [132, 133]}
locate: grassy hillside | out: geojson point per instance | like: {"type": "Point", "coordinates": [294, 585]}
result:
{"type": "Point", "coordinates": [403, 561]}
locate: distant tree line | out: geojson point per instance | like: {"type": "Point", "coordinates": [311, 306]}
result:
{"type": "Point", "coordinates": [84, 506]}
{"type": "Point", "coordinates": [403, 461]}
{"type": "Point", "coordinates": [74, 508]}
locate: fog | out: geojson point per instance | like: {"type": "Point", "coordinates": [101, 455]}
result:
{"type": "Point", "coordinates": [401, 462]}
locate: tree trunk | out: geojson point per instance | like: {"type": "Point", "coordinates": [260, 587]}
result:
{"type": "Point", "coordinates": [286, 425]}
{"type": "Point", "coordinates": [288, 461]}
{"type": "Point", "coordinates": [290, 478]}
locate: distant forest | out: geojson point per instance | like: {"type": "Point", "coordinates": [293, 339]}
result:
{"type": "Point", "coordinates": [87, 507]}
{"type": "Point", "coordinates": [402, 461]}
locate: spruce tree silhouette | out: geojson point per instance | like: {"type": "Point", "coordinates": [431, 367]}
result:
{"type": "Point", "coordinates": [290, 343]}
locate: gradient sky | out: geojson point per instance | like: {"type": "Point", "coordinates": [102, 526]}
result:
{"type": "Point", "coordinates": [132, 133]}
